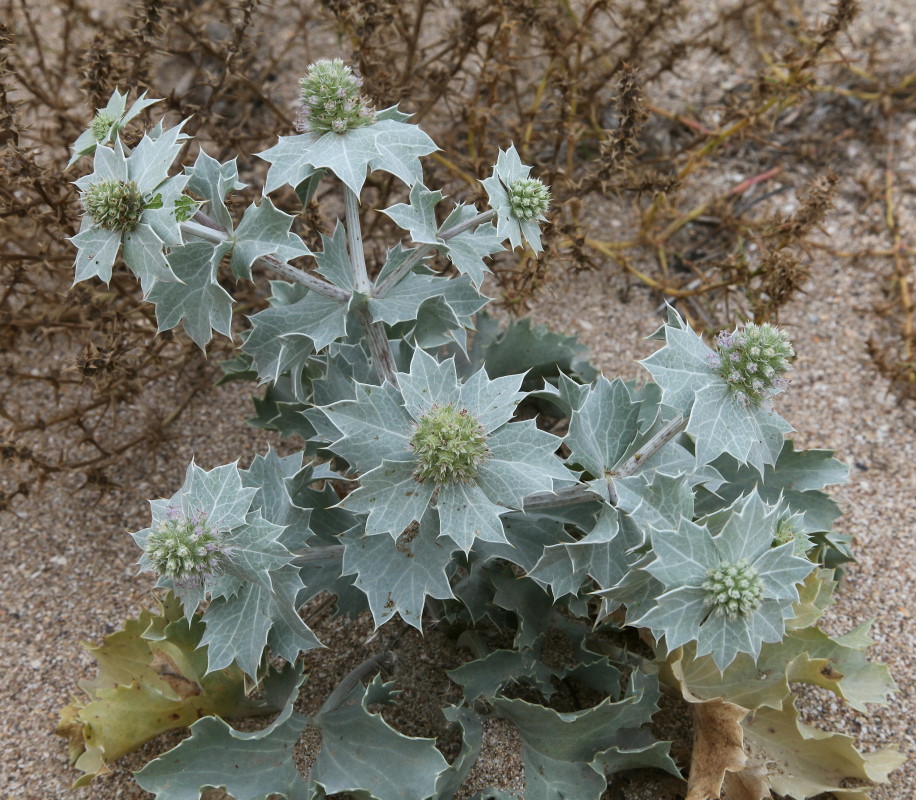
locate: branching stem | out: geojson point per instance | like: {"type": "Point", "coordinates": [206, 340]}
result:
{"type": "Point", "coordinates": [423, 250]}
{"type": "Point", "coordinates": [207, 229]}
{"type": "Point", "coordinates": [361, 282]}
{"type": "Point", "coordinates": [579, 493]}
{"type": "Point", "coordinates": [351, 680]}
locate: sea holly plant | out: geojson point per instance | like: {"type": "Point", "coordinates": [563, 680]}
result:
{"type": "Point", "coordinates": [584, 543]}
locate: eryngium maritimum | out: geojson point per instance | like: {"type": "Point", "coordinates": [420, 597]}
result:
{"type": "Point", "coordinates": [114, 205]}
{"type": "Point", "coordinates": [752, 360]}
{"type": "Point", "coordinates": [331, 100]}
{"type": "Point", "coordinates": [186, 550]}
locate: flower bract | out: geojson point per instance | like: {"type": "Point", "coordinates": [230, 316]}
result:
{"type": "Point", "coordinates": [107, 122]}
{"type": "Point", "coordinates": [724, 586]}
{"type": "Point", "coordinates": [435, 441]}
{"type": "Point", "coordinates": [519, 200]}
{"type": "Point", "coordinates": [130, 202]}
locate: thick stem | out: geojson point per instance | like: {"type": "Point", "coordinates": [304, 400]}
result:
{"type": "Point", "coordinates": [361, 282]}
{"type": "Point", "coordinates": [203, 227]}
{"type": "Point", "coordinates": [379, 346]}
{"type": "Point", "coordinates": [376, 338]}
{"type": "Point", "coordinates": [424, 250]}
{"type": "Point", "coordinates": [579, 493]}
{"type": "Point", "coordinates": [351, 680]}
{"type": "Point", "coordinates": [633, 464]}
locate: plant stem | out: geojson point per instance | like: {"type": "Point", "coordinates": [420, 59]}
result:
{"type": "Point", "coordinates": [376, 337]}
{"type": "Point", "coordinates": [351, 680]}
{"type": "Point", "coordinates": [423, 250]}
{"type": "Point", "coordinates": [361, 282]}
{"type": "Point", "coordinates": [379, 346]}
{"type": "Point", "coordinates": [203, 227]}
{"type": "Point", "coordinates": [579, 493]}
{"type": "Point", "coordinates": [633, 464]}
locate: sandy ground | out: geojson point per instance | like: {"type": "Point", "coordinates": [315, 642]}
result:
{"type": "Point", "coordinates": [68, 565]}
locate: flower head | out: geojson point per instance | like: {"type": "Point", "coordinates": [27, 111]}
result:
{"type": "Point", "coordinates": [101, 125]}
{"type": "Point", "coordinates": [132, 205]}
{"type": "Point", "coordinates": [115, 205]}
{"type": "Point", "coordinates": [187, 550]}
{"type": "Point", "coordinates": [529, 198]}
{"type": "Point", "coordinates": [519, 200]}
{"type": "Point", "coordinates": [791, 529]}
{"type": "Point", "coordinates": [733, 588]}
{"type": "Point", "coordinates": [331, 100]}
{"type": "Point", "coordinates": [752, 360]}
{"type": "Point", "coordinates": [434, 442]}
{"type": "Point", "coordinates": [450, 444]}
{"type": "Point", "coordinates": [107, 122]}
{"type": "Point", "coordinates": [724, 586]}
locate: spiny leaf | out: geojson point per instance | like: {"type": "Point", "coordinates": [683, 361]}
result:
{"type": "Point", "coordinates": [468, 250]}
{"type": "Point", "coordinates": [198, 301]}
{"type": "Point", "coordinates": [249, 766]}
{"type": "Point", "coordinates": [568, 755]}
{"type": "Point", "coordinates": [602, 428]}
{"type": "Point", "coordinates": [240, 626]}
{"type": "Point", "coordinates": [263, 231]}
{"type": "Point", "coordinates": [419, 216]}
{"type": "Point", "coordinates": [363, 754]}
{"type": "Point", "coordinates": [389, 144]}
{"type": "Point", "coordinates": [213, 182]}
{"type": "Point", "coordinates": [717, 422]}
{"type": "Point", "coordinates": [398, 575]}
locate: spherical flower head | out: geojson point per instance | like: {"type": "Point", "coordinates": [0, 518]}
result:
{"type": "Point", "coordinates": [529, 198]}
{"type": "Point", "coordinates": [186, 550]}
{"type": "Point", "coordinates": [788, 531]}
{"type": "Point", "coordinates": [114, 205]}
{"type": "Point", "coordinates": [331, 100]}
{"type": "Point", "coordinates": [733, 589]}
{"type": "Point", "coordinates": [450, 445]}
{"type": "Point", "coordinates": [752, 361]}
{"type": "Point", "coordinates": [101, 125]}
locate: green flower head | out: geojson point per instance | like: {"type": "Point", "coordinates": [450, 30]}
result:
{"type": "Point", "coordinates": [187, 550]}
{"type": "Point", "coordinates": [733, 588]}
{"type": "Point", "coordinates": [115, 205]}
{"type": "Point", "coordinates": [723, 585]}
{"type": "Point", "coordinates": [752, 360]}
{"type": "Point", "coordinates": [132, 206]}
{"type": "Point", "coordinates": [518, 200]}
{"type": "Point", "coordinates": [101, 125]}
{"type": "Point", "coordinates": [331, 100]}
{"type": "Point", "coordinates": [106, 124]}
{"type": "Point", "coordinates": [450, 445]}
{"type": "Point", "coordinates": [529, 198]}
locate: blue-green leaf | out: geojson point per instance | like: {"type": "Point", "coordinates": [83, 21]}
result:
{"type": "Point", "coordinates": [263, 231]}
{"type": "Point", "coordinates": [213, 182]}
{"type": "Point", "coordinates": [397, 575]}
{"type": "Point", "coordinates": [198, 301]}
